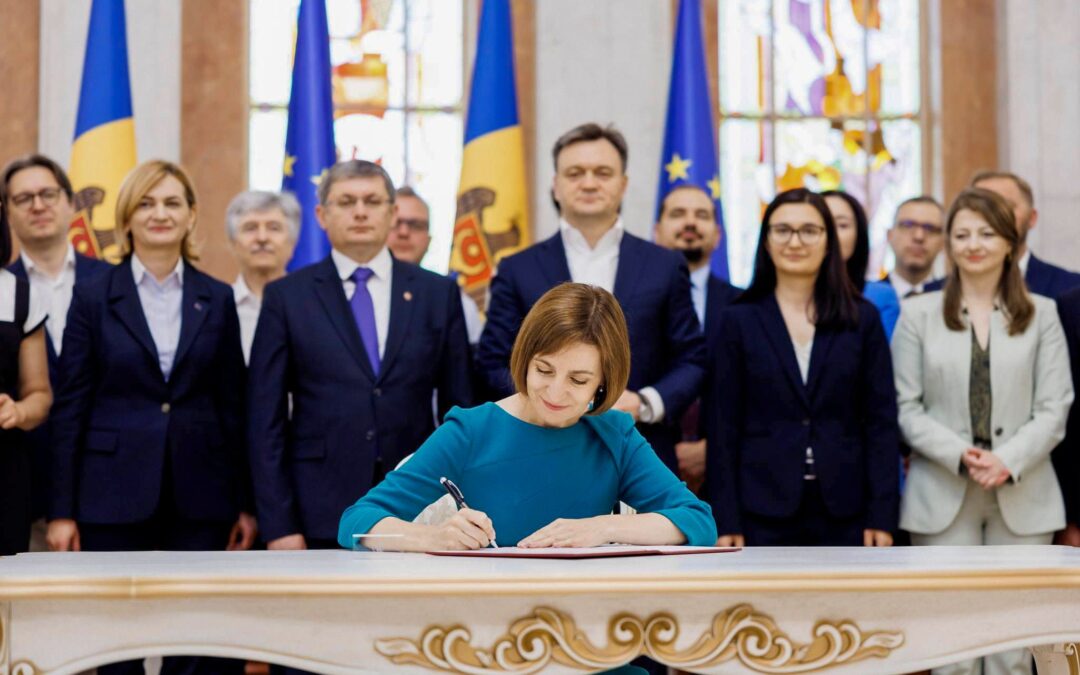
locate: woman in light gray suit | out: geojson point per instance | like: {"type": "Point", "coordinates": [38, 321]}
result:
{"type": "Point", "coordinates": [983, 386]}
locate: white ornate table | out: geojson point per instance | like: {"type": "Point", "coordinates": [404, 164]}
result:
{"type": "Point", "coordinates": [756, 611]}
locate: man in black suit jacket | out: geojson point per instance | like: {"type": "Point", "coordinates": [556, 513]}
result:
{"type": "Point", "coordinates": [1042, 277]}
{"type": "Point", "coordinates": [688, 223]}
{"type": "Point", "coordinates": [651, 284]}
{"type": "Point", "coordinates": [360, 341]}
{"type": "Point", "coordinates": [39, 200]}
{"type": "Point", "coordinates": [1066, 456]}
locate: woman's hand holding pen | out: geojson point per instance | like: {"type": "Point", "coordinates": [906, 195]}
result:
{"type": "Point", "coordinates": [466, 530]}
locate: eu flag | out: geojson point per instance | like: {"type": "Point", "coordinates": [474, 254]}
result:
{"type": "Point", "coordinates": [309, 142]}
{"type": "Point", "coordinates": [689, 140]}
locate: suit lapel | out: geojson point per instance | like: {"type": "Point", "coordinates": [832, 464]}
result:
{"type": "Point", "coordinates": [124, 302]}
{"type": "Point", "coordinates": [780, 340]}
{"type": "Point", "coordinates": [629, 269]}
{"type": "Point", "coordinates": [193, 310]}
{"type": "Point", "coordinates": [819, 357]}
{"type": "Point", "coordinates": [18, 269]}
{"type": "Point", "coordinates": [403, 296]}
{"type": "Point", "coordinates": [553, 264]}
{"type": "Point", "coordinates": [332, 296]}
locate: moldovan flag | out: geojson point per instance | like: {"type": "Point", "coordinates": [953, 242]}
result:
{"type": "Point", "coordinates": [104, 148]}
{"type": "Point", "coordinates": [492, 208]}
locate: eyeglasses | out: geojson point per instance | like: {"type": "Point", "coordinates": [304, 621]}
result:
{"type": "Point", "coordinates": [414, 224]}
{"type": "Point", "coordinates": [928, 229]}
{"type": "Point", "coordinates": [348, 203]}
{"type": "Point", "coordinates": [48, 196]}
{"type": "Point", "coordinates": [807, 234]}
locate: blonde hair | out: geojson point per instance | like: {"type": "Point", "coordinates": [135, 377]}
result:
{"type": "Point", "coordinates": [571, 314]}
{"type": "Point", "coordinates": [137, 184]}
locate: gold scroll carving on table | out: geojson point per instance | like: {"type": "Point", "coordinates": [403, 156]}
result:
{"type": "Point", "coordinates": [550, 636]}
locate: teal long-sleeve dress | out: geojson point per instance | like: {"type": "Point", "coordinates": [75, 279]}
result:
{"type": "Point", "coordinates": [524, 476]}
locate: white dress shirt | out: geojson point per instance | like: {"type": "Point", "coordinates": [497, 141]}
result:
{"type": "Point", "coordinates": [1022, 263]}
{"type": "Point", "coordinates": [904, 288]}
{"type": "Point", "coordinates": [247, 310]}
{"type": "Point", "coordinates": [378, 286]}
{"type": "Point", "coordinates": [699, 292]}
{"type": "Point", "coordinates": [595, 265]}
{"type": "Point", "coordinates": [55, 293]}
{"type": "Point", "coordinates": [162, 304]}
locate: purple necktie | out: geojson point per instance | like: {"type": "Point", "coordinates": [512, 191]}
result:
{"type": "Point", "coordinates": [363, 311]}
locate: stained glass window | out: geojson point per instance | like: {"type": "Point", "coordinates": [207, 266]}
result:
{"type": "Point", "coordinates": [824, 94]}
{"type": "Point", "coordinates": [398, 80]}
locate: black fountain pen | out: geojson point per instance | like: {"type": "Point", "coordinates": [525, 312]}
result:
{"type": "Point", "coordinates": [459, 498]}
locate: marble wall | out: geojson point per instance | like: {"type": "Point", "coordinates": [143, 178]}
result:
{"type": "Point", "coordinates": [1039, 116]}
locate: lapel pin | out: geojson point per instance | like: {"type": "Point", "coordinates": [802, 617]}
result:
{"type": "Point", "coordinates": [408, 296]}
{"type": "Point", "coordinates": [198, 306]}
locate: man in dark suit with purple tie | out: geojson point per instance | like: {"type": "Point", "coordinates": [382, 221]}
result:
{"type": "Point", "coordinates": [359, 342]}
{"type": "Point", "coordinates": [1066, 456]}
{"type": "Point", "coordinates": [688, 224]}
{"type": "Point", "coordinates": [1042, 278]}
{"type": "Point", "coordinates": [39, 200]}
{"type": "Point", "coordinates": [651, 284]}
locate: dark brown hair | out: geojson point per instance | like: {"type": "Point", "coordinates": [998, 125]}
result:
{"type": "Point", "coordinates": [1017, 305]}
{"type": "Point", "coordinates": [591, 132]}
{"type": "Point", "coordinates": [836, 304]}
{"type": "Point", "coordinates": [570, 314]}
{"type": "Point", "coordinates": [31, 161]}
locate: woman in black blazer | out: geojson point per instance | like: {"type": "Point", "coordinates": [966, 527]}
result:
{"type": "Point", "coordinates": [148, 446]}
{"type": "Point", "coordinates": [801, 416]}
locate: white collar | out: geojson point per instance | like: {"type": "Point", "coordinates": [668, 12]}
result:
{"type": "Point", "coordinates": [31, 266]}
{"type": "Point", "coordinates": [572, 237]}
{"type": "Point", "coordinates": [381, 265]}
{"type": "Point", "coordinates": [699, 278]}
{"type": "Point", "coordinates": [241, 291]}
{"type": "Point", "coordinates": [140, 271]}
{"type": "Point", "coordinates": [1024, 261]}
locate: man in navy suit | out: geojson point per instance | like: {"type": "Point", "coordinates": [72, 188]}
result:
{"type": "Point", "coordinates": [39, 200]}
{"type": "Point", "coordinates": [360, 341]}
{"type": "Point", "coordinates": [651, 284]}
{"type": "Point", "coordinates": [1067, 455]}
{"type": "Point", "coordinates": [688, 224]}
{"type": "Point", "coordinates": [1042, 278]}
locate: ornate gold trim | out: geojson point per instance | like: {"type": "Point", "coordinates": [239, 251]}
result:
{"type": "Point", "coordinates": [1072, 657]}
{"type": "Point", "coordinates": [549, 635]}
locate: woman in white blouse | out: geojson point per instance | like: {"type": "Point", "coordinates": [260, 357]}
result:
{"type": "Point", "coordinates": [25, 395]}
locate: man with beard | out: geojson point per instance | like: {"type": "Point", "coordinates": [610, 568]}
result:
{"type": "Point", "coordinates": [1042, 278]}
{"type": "Point", "coordinates": [688, 224]}
{"type": "Point", "coordinates": [916, 237]}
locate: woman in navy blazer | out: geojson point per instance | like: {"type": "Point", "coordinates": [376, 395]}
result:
{"type": "Point", "coordinates": [801, 417]}
{"type": "Point", "coordinates": [148, 449]}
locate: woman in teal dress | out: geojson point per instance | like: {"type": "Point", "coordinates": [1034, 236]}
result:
{"type": "Point", "coordinates": [545, 466]}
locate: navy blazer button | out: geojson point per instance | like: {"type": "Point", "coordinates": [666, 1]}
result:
{"type": "Point", "coordinates": [371, 434]}
{"type": "Point", "coordinates": [377, 391]}
{"type": "Point", "coordinates": [806, 422]}
{"type": "Point", "coordinates": [165, 407]}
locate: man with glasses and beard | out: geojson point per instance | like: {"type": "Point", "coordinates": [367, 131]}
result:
{"type": "Point", "coordinates": [688, 223]}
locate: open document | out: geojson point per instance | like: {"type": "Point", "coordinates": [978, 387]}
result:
{"type": "Point", "coordinates": [610, 551]}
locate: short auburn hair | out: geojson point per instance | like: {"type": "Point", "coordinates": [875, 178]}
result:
{"type": "Point", "coordinates": [576, 314]}
{"type": "Point", "coordinates": [136, 185]}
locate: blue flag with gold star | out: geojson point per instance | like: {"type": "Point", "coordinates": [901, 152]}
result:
{"type": "Point", "coordinates": [309, 142]}
{"type": "Point", "coordinates": [689, 139]}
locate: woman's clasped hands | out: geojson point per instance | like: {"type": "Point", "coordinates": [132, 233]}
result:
{"type": "Point", "coordinates": [985, 468]}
